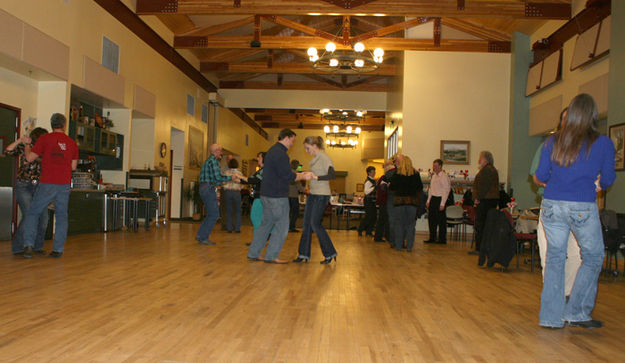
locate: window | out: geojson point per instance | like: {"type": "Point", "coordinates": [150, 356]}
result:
{"type": "Point", "coordinates": [190, 105]}
{"type": "Point", "coordinates": [205, 113]}
{"type": "Point", "coordinates": [110, 54]}
{"type": "Point", "coordinates": [391, 145]}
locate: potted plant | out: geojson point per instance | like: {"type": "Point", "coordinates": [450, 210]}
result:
{"type": "Point", "coordinates": [192, 194]}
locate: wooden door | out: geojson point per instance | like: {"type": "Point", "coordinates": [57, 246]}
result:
{"type": "Point", "coordinates": [9, 126]}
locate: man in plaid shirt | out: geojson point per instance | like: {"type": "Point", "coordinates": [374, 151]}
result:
{"type": "Point", "coordinates": [210, 178]}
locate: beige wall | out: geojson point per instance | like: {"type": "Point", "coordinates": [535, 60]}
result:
{"type": "Point", "coordinates": [348, 160]}
{"type": "Point", "coordinates": [231, 135]}
{"type": "Point", "coordinates": [80, 25]}
{"type": "Point", "coordinates": [373, 101]}
{"type": "Point", "coordinates": [19, 91]}
{"type": "Point", "coordinates": [456, 96]}
{"type": "Point", "coordinates": [568, 87]}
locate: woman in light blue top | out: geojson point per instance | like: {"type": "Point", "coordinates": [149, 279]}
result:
{"type": "Point", "coordinates": [570, 162]}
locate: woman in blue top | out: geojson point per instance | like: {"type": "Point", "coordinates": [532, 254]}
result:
{"type": "Point", "coordinates": [570, 162]}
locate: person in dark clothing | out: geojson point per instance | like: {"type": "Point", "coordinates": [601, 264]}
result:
{"type": "Point", "coordinates": [406, 182]}
{"type": "Point", "coordinates": [294, 189]}
{"type": "Point", "coordinates": [274, 194]}
{"type": "Point", "coordinates": [371, 212]}
{"type": "Point", "coordinates": [382, 229]}
{"type": "Point", "coordinates": [486, 194]}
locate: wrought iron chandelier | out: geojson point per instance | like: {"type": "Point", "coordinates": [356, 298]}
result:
{"type": "Point", "coordinates": [343, 129]}
{"type": "Point", "coordinates": [355, 61]}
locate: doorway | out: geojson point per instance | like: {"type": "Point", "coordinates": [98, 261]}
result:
{"type": "Point", "coordinates": [9, 126]}
{"type": "Point", "coordinates": [177, 173]}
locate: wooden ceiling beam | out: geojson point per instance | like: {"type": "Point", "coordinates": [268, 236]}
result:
{"type": "Point", "coordinates": [231, 55]}
{"type": "Point", "coordinates": [432, 8]}
{"type": "Point", "coordinates": [301, 27]}
{"type": "Point", "coordinates": [220, 28]}
{"type": "Point", "coordinates": [475, 29]}
{"type": "Point", "coordinates": [294, 68]}
{"type": "Point", "coordinates": [316, 86]}
{"type": "Point", "coordinates": [391, 29]}
{"type": "Point", "coordinates": [304, 42]}
{"type": "Point", "coordinates": [304, 125]}
{"type": "Point", "coordinates": [437, 32]}
{"type": "Point", "coordinates": [249, 121]}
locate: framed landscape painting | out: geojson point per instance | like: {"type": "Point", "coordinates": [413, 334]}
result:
{"type": "Point", "coordinates": [196, 146]}
{"type": "Point", "coordinates": [456, 152]}
{"type": "Point", "coordinates": [617, 135]}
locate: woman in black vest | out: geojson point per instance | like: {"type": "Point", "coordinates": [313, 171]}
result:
{"type": "Point", "coordinates": [371, 212]}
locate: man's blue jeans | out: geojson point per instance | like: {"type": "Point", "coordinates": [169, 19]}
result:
{"type": "Point", "coordinates": [46, 193]}
{"type": "Point", "coordinates": [275, 222]}
{"type": "Point", "coordinates": [558, 219]}
{"type": "Point", "coordinates": [24, 193]}
{"type": "Point", "coordinates": [313, 216]}
{"type": "Point", "coordinates": [209, 198]}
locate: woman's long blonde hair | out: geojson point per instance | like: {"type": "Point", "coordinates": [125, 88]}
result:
{"type": "Point", "coordinates": [405, 166]}
{"type": "Point", "coordinates": [579, 130]}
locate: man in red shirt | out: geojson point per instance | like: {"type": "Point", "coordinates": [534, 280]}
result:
{"type": "Point", "coordinates": [59, 156]}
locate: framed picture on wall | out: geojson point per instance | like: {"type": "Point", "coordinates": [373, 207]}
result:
{"type": "Point", "coordinates": [456, 152]}
{"type": "Point", "coordinates": [196, 146]}
{"type": "Point", "coordinates": [360, 187]}
{"type": "Point", "coordinates": [617, 135]}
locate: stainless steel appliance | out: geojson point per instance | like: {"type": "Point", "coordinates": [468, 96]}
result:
{"type": "Point", "coordinates": [153, 184]}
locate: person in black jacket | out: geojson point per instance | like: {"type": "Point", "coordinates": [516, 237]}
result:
{"type": "Point", "coordinates": [371, 212]}
{"type": "Point", "coordinates": [406, 183]}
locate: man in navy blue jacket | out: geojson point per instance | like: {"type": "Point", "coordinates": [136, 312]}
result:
{"type": "Point", "coordinates": [274, 194]}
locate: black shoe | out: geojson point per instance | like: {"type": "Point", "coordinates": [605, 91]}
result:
{"type": "Point", "coordinates": [55, 254]}
{"type": "Point", "coordinates": [328, 260]}
{"type": "Point", "coordinates": [248, 243]}
{"type": "Point", "coordinates": [237, 231]}
{"type": "Point", "coordinates": [588, 324]}
{"type": "Point", "coordinates": [20, 253]}
{"type": "Point", "coordinates": [430, 241]}
{"type": "Point", "coordinates": [41, 252]}
{"type": "Point", "coordinates": [294, 230]}
{"type": "Point", "coordinates": [378, 240]}
{"type": "Point", "coordinates": [28, 252]}
{"type": "Point", "coordinates": [299, 259]}
{"type": "Point", "coordinates": [474, 253]}
{"type": "Point", "coordinates": [441, 242]}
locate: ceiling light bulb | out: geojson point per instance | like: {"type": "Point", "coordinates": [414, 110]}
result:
{"type": "Point", "coordinates": [313, 58]}
{"type": "Point", "coordinates": [358, 130]}
{"type": "Point", "coordinates": [330, 47]}
{"type": "Point", "coordinates": [333, 142]}
{"type": "Point", "coordinates": [312, 51]}
{"type": "Point", "coordinates": [335, 129]}
{"type": "Point", "coordinates": [378, 59]}
{"type": "Point", "coordinates": [344, 113]}
{"type": "Point", "coordinates": [349, 129]}
{"type": "Point", "coordinates": [334, 62]}
{"type": "Point", "coordinates": [327, 142]}
{"type": "Point", "coordinates": [378, 52]}
{"type": "Point", "coordinates": [359, 47]}
{"type": "Point", "coordinates": [355, 142]}
{"type": "Point", "coordinates": [359, 113]}
{"type": "Point", "coordinates": [326, 129]}
{"type": "Point", "coordinates": [343, 143]}
{"type": "Point", "coordinates": [359, 63]}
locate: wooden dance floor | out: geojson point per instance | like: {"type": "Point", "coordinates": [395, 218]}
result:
{"type": "Point", "coordinates": [159, 296]}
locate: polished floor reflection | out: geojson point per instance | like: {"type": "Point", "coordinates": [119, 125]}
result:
{"type": "Point", "coordinates": [159, 296]}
